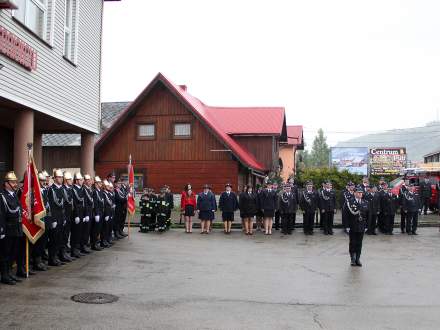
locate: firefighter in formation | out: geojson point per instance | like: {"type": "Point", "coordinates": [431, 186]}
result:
{"type": "Point", "coordinates": [82, 214]}
{"type": "Point", "coordinates": [155, 210]}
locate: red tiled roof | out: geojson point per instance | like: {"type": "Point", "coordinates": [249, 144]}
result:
{"type": "Point", "coordinates": [239, 121]}
{"type": "Point", "coordinates": [295, 135]}
{"type": "Point", "coordinates": [223, 122]}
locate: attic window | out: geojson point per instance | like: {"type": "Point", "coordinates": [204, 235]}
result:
{"type": "Point", "coordinates": [146, 131]}
{"type": "Point", "coordinates": [182, 130]}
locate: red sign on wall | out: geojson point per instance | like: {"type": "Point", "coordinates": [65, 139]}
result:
{"type": "Point", "coordinates": [17, 50]}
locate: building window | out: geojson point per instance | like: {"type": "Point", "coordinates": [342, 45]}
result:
{"type": "Point", "coordinates": [182, 130]}
{"type": "Point", "coordinates": [146, 131]}
{"type": "Point", "coordinates": [33, 14]}
{"type": "Point", "coordinates": [71, 30]}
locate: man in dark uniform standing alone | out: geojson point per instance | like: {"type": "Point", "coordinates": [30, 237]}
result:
{"type": "Point", "coordinates": [425, 194]}
{"type": "Point", "coordinates": [411, 204]}
{"type": "Point", "coordinates": [358, 213]}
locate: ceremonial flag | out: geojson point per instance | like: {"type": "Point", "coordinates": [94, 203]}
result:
{"type": "Point", "coordinates": [131, 206]}
{"type": "Point", "coordinates": [32, 204]}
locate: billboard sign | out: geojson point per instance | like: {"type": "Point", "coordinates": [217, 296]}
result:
{"type": "Point", "coordinates": [354, 160]}
{"type": "Point", "coordinates": [387, 161]}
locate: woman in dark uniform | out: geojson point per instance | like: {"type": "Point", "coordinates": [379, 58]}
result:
{"type": "Point", "coordinates": [228, 204]}
{"type": "Point", "coordinates": [268, 204]}
{"type": "Point", "coordinates": [206, 206]}
{"type": "Point", "coordinates": [188, 204]}
{"type": "Point", "coordinates": [248, 208]}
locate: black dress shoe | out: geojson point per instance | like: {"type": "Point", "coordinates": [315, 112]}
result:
{"type": "Point", "coordinates": [414, 233]}
{"type": "Point", "coordinates": [15, 278]}
{"type": "Point", "coordinates": [85, 250]}
{"type": "Point", "coordinates": [96, 247]}
{"type": "Point", "coordinates": [40, 267]}
{"type": "Point", "coordinates": [54, 263]}
{"type": "Point", "coordinates": [123, 234]}
{"type": "Point", "coordinates": [8, 281]}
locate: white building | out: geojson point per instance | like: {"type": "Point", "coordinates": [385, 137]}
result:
{"type": "Point", "coordinates": [50, 71]}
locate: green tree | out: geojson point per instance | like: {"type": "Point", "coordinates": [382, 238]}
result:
{"type": "Point", "coordinates": [319, 156]}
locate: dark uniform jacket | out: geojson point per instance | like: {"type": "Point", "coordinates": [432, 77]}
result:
{"type": "Point", "coordinates": [79, 204]}
{"type": "Point", "coordinates": [108, 204]}
{"type": "Point", "coordinates": [170, 199]}
{"type": "Point", "coordinates": [2, 222]}
{"type": "Point", "coordinates": [248, 204]}
{"type": "Point", "coordinates": [162, 206]}
{"type": "Point", "coordinates": [88, 202]}
{"type": "Point", "coordinates": [287, 203]}
{"type": "Point", "coordinates": [228, 202]}
{"type": "Point", "coordinates": [11, 211]}
{"type": "Point", "coordinates": [425, 190]}
{"type": "Point", "coordinates": [98, 202]}
{"type": "Point", "coordinates": [268, 199]}
{"type": "Point", "coordinates": [206, 202]}
{"type": "Point", "coordinates": [68, 202]}
{"type": "Point", "coordinates": [373, 200]}
{"type": "Point", "coordinates": [358, 215]}
{"type": "Point", "coordinates": [411, 202]}
{"type": "Point", "coordinates": [388, 203]}
{"type": "Point", "coordinates": [55, 196]}
{"type": "Point", "coordinates": [327, 200]}
{"type": "Point", "coordinates": [309, 201]}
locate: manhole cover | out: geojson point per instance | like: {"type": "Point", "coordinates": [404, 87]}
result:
{"type": "Point", "coordinates": [94, 298]}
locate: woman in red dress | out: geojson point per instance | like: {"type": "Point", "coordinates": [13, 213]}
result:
{"type": "Point", "coordinates": [188, 204]}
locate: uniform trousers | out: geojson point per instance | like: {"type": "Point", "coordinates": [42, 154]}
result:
{"type": "Point", "coordinates": [412, 221]}
{"type": "Point", "coordinates": [372, 222]}
{"type": "Point", "coordinates": [309, 218]}
{"type": "Point", "coordinates": [355, 245]}
{"type": "Point", "coordinates": [403, 216]}
{"type": "Point", "coordinates": [287, 222]}
{"type": "Point", "coordinates": [327, 221]}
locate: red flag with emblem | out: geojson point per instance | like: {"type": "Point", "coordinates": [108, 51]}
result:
{"type": "Point", "coordinates": [131, 206]}
{"type": "Point", "coordinates": [32, 204]}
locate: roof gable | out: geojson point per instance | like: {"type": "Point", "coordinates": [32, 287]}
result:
{"type": "Point", "coordinates": [217, 125]}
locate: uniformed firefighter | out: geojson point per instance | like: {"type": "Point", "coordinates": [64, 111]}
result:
{"type": "Point", "coordinates": [40, 246]}
{"type": "Point", "coordinates": [308, 204]}
{"type": "Point", "coordinates": [55, 196]}
{"type": "Point", "coordinates": [373, 199]}
{"type": "Point", "coordinates": [96, 242]}
{"type": "Point", "coordinates": [88, 214]}
{"type": "Point", "coordinates": [151, 215]}
{"type": "Point", "coordinates": [388, 205]}
{"type": "Point", "coordinates": [66, 225]}
{"type": "Point", "coordinates": [327, 202]}
{"type": "Point", "coordinates": [78, 215]}
{"type": "Point", "coordinates": [403, 189]}
{"type": "Point", "coordinates": [162, 208]}
{"type": "Point", "coordinates": [11, 232]}
{"type": "Point", "coordinates": [109, 207]}
{"type": "Point", "coordinates": [346, 195]}
{"type": "Point", "coordinates": [357, 222]}
{"type": "Point", "coordinates": [170, 199]}
{"type": "Point", "coordinates": [120, 206]}
{"type": "Point", "coordinates": [287, 206]}
{"type": "Point", "coordinates": [144, 208]}
{"type": "Point", "coordinates": [412, 205]}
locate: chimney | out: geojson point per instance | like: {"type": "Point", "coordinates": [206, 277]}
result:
{"type": "Point", "coordinates": [183, 87]}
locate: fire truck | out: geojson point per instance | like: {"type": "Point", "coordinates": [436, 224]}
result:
{"type": "Point", "coordinates": [416, 175]}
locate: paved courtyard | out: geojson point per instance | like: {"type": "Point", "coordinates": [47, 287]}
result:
{"type": "Point", "coordinates": [180, 281]}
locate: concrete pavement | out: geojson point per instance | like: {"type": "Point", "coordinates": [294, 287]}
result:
{"type": "Point", "coordinates": [180, 281]}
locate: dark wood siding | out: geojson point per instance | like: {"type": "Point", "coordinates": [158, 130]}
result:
{"type": "Point", "coordinates": [260, 147]}
{"type": "Point", "coordinates": [178, 173]}
{"type": "Point", "coordinates": [164, 109]}
{"type": "Point", "coordinates": [61, 157]}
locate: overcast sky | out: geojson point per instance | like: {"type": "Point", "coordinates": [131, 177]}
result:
{"type": "Point", "coordinates": [343, 65]}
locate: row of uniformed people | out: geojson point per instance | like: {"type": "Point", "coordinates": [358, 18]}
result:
{"type": "Point", "coordinates": [155, 210]}
{"type": "Point", "coordinates": [80, 213]}
{"type": "Point", "coordinates": [382, 207]}
{"type": "Point", "coordinates": [264, 203]}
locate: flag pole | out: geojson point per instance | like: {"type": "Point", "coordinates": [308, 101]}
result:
{"type": "Point", "coordinates": [29, 208]}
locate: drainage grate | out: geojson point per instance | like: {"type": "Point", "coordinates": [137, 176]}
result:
{"type": "Point", "coordinates": [94, 298]}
